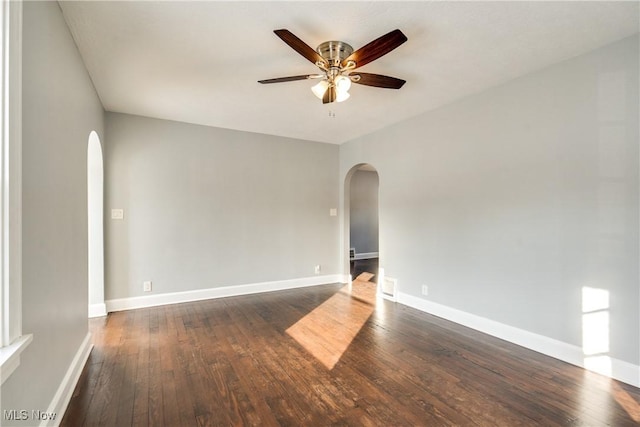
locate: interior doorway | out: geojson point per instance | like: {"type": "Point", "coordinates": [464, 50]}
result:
{"type": "Point", "coordinates": [95, 200]}
{"type": "Point", "coordinates": [361, 211]}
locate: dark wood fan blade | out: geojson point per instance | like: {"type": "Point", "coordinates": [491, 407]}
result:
{"type": "Point", "coordinates": [377, 48]}
{"type": "Point", "coordinates": [378, 80]}
{"type": "Point", "coordinates": [299, 46]}
{"type": "Point", "coordinates": [329, 95]}
{"type": "Point", "coordinates": [287, 79]}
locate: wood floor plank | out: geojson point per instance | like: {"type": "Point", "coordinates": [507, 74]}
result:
{"type": "Point", "coordinates": [232, 361]}
{"type": "Point", "coordinates": [126, 393]}
{"type": "Point", "coordinates": [141, 397]}
{"type": "Point", "coordinates": [156, 403]}
{"type": "Point", "coordinates": [83, 394]}
{"type": "Point", "coordinates": [110, 378]}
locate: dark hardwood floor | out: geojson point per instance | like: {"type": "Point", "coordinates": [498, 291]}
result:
{"type": "Point", "coordinates": [326, 355]}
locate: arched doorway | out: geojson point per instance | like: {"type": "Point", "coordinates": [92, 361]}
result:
{"type": "Point", "coordinates": [361, 188]}
{"type": "Point", "coordinates": [95, 200]}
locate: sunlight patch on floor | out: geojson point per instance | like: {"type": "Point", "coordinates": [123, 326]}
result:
{"type": "Point", "coordinates": [329, 329]}
{"type": "Point", "coordinates": [625, 400]}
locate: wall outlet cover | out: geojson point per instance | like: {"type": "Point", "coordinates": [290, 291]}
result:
{"type": "Point", "coordinates": [117, 213]}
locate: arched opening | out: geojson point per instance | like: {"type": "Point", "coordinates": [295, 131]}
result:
{"type": "Point", "coordinates": [361, 188]}
{"type": "Point", "coordinates": [95, 200]}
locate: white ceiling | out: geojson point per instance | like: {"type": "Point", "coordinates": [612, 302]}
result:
{"type": "Point", "coordinates": [199, 62]}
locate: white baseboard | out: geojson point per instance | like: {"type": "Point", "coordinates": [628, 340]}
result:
{"type": "Point", "coordinates": [620, 370]}
{"type": "Point", "coordinates": [344, 278]}
{"type": "Point", "coordinates": [221, 292]}
{"type": "Point", "coordinates": [366, 255]}
{"type": "Point", "coordinates": [97, 310]}
{"type": "Point", "coordinates": [61, 400]}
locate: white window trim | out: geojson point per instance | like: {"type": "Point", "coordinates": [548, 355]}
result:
{"type": "Point", "coordinates": [10, 356]}
{"type": "Point", "coordinates": [12, 342]}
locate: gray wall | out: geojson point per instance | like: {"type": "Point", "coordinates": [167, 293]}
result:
{"type": "Point", "coordinates": [363, 211]}
{"type": "Point", "coordinates": [507, 203]}
{"type": "Point", "coordinates": [60, 109]}
{"type": "Point", "coordinates": [206, 207]}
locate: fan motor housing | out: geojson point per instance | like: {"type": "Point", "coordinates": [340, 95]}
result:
{"type": "Point", "coordinates": [334, 52]}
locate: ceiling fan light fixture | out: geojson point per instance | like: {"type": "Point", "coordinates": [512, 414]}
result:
{"type": "Point", "coordinates": [337, 60]}
{"type": "Point", "coordinates": [343, 83]}
{"type": "Point", "coordinates": [320, 88]}
{"type": "Point", "coordinates": [342, 96]}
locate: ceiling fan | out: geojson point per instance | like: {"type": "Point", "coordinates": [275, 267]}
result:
{"type": "Point", "coordinates": [337, 60]}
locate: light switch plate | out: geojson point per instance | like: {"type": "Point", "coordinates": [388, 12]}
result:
{"type": "Point", "coordinates": [333, 212]}
{"type": "Point", "coordinates": [117, 213]}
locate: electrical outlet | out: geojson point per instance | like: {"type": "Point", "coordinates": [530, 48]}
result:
{"type": "Point", "coordinates": [317, 269]}
{"type": "Point", "coordinates": [146, 286]}
{"type": "Point", "coordinates": [425, 290]}
{"type": "Point", "coordinates": [117, 213]}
